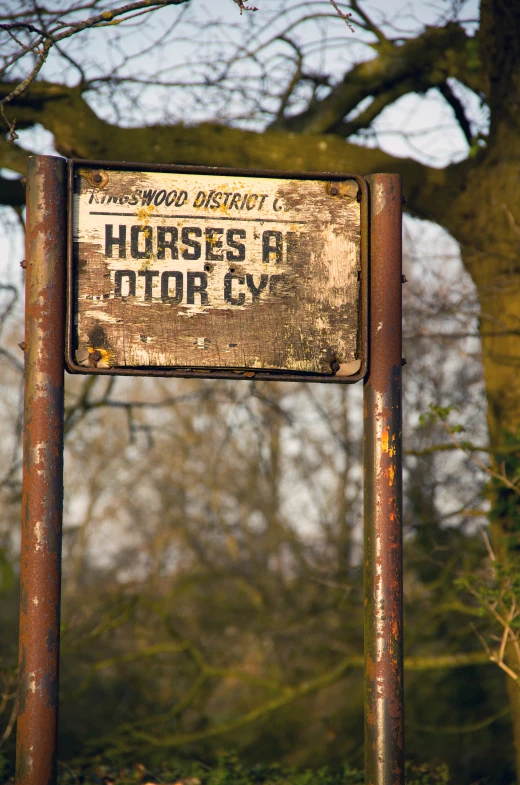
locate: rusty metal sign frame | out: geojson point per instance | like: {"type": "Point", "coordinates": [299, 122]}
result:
{"type": "Point", "coordinates": [42, 492]}
{"type": "Point", "coordinates": [220, 373]}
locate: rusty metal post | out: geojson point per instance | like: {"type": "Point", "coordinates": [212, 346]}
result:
{"type": "Point", "coordinates": [42, 494]}
{"type": "Point", "coordinates": [384, 748]}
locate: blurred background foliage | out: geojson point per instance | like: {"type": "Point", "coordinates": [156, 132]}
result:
{"type": "Point", "coordinates": [212, 555]}
{"type": "Point", "coordinates": [212, 593]}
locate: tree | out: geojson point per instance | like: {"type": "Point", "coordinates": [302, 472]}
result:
{"type": "Point", "coordinates": [273, 105]}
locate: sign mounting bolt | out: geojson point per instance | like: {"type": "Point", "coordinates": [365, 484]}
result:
{"type": "Point", "coordinates": [334, 191]}
{"type": "Point", "coordinates": [96, 177]}
{"type": "Point", "coordinates": [94, 358]}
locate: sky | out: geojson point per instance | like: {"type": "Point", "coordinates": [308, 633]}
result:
{"type": "Point", "coordinates": [199, 39]}
{"type": "Point", "coordinates": [422, 127]}
{"type": "Point", "coordinates": [204, 33]}
{"type": "Point", "coordinates": [201, 35]}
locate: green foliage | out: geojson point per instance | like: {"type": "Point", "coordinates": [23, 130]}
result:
{"type": "Point", "coordinates": [436, 413]}
{"type": "Point", "coordinates": [499, 586]}
{"type": "Point", "coordinates": [441, 414]}
{"type": "Point", "coordinates": [505, 507]}
{"type": "Point", "coordinates": [427, 775]}
{"type": "Point", "coordinates": [7, 576]}
{"type": "Point", "coordinates": [473, 60]}
{"type": "Point", "coordinates": [4, 766]}
{"type": "Point", "coordinates": [230, 770]}
{"type": "Point", "coordinates": [477, 145]}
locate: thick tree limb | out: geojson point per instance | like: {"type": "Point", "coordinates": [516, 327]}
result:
{"type": "Point", "coordinates": [80, 133]}
{"type": "Point", "coordinates": [414, 66]}
{"type": "Point", "coordinates": [12, 192]}
{"type": "Point", "coordinates": [458, 110]}
{"type": "Point", "coordinates": [365, 118]}
{"type": "Point", "coordinates": [368, 22]}
{"type": "Point", "coordinates": [417, 65]}
{"type": "Point", "coordinates": [499, 45]}
{"type": "Point", "coordinates": [290, 694]}
{"type": "Point", "coordinates": [12, 157]}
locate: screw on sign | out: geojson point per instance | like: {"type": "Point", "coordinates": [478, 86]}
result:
{"type": "Point", "coordinates": [184, 271]}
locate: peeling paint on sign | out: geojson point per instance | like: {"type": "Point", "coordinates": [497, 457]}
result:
{"type": "Point", "coordinates": [178, 270]}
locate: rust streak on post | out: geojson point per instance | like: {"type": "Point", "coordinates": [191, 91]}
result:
{"type": "Point", "coordinates": [42, 495]}
{"type": "Point", "coordinates": [384, 747]}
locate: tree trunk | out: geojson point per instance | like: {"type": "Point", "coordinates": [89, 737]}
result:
{"type": "Point", "coordinates": [490, 211]}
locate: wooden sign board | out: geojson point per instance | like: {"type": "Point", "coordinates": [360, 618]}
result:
{"type": "Point", "coordinates": [189, 271]}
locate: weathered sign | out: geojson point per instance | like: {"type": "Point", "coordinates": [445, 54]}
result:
{"type": "Point", "coordinates": [178, 270]}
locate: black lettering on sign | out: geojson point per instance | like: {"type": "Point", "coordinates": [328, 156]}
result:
{"type": "Point", "coordinates": [272, 244]}
{"type": "Point", "coordinates": [110, 240]}
{"type": "Point", "coordinates": [194, 288]}
{"type": "Point", "coordinates": [234, 201]}
{"type": "Point", "coordinates": [200, 199]}
{"type": "Point", "coordinates": [213, 244]}
{"type": "Point", "coordinates": [165, 287]}
{"type": "Point", "coordinates": [228, 289]}
{"type": "Point", "coordinates": [148, 275]}
{"type": "Point", "coordinates": [240, 250]}
{"type": "Point", "coordinates": [193, 244]}
{"type": "Point", "coordinates": [256, 290]}
{"type": "Point", "coordinates": [163, 243]}
{"type": "Point", "coordinates": [120, 274]}
{"type": "Point", "coordinates": [148, 197]}
{"type": "Point", "coordinates": [146, 232]}
{"type": "Point", "coordinates": [160, 197]}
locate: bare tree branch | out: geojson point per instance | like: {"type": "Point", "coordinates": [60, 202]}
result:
{"type": "Point", "coordinates": [458, 110]}
{"type": "Point", "coordinates": [345, 16]}
{"type": "Point", "coordinates": [47, 40]}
